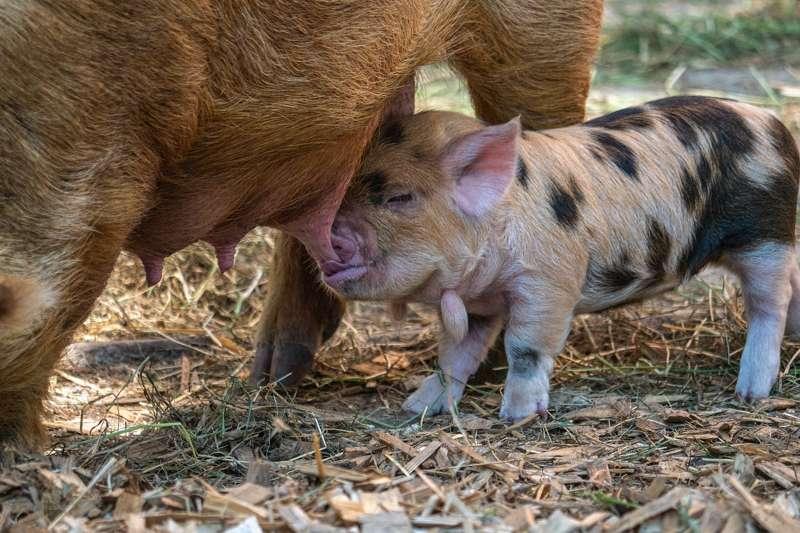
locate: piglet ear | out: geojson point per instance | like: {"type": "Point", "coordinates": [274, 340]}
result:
{"type": "Point", "coordinates": [483, 165]}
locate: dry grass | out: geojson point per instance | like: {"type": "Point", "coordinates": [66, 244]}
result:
{"type": "Point", "coordinates": [643, 427]}
{"type": "Point", "coordinates": [643, 431]}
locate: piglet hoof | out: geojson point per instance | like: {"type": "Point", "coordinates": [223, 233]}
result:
{"type": "Point", "coordinates": [522, 399]}
{"type": "Point", "coordinates": [431, 397]}
{"type": "Point", "coordinates": [749, 393]}
{"type": "Point", "coordinates": [754, 385]}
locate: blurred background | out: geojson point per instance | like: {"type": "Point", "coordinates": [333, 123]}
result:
{"type": "Point", "coordinates": [748, 50]}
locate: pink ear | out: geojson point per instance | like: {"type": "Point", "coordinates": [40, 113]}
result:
{"type": "Point", "coordinates": [483, 164]}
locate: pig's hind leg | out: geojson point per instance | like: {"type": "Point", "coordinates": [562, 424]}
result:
{"type": "Point", "coordinates": [793, 317]}
{"type": "Point", "coordinates": [457, 362]}
{"type": "Point", "coordinates": [767, 274]}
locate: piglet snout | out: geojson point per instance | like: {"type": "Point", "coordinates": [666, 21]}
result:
{"type": "Point", "coordinates": [350, 264]}
{"type": "Point", "coordinates": [345, 247]}
{"type": "Point", "coordinates": [329, 268]}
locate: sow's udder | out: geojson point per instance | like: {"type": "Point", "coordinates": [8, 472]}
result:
{"type": "Point", "coordinates": [178, 221]}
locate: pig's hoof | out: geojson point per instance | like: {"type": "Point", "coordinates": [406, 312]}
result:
{"type": "Point", "coordinates": [284, 362]}
{"type": "Point", "coordinates": [430, 397]}
{"type": "Point", "coordinates": [521, 399]}
{"type": "Point", "coordinates": [749, 392]}
{"type": "Point", "coordinates": [754, 384]}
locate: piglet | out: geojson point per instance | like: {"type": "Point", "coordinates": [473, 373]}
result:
{"type": "Point", "coordinates": [500, 227]}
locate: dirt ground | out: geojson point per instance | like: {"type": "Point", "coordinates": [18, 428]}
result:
{"type": "Point", "coordinates": [644, 431]}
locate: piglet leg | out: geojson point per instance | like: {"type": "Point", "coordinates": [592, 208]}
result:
{"type": "Point", "coordinates": [457, 362]}
{"type": "Point", "coordinates": [537, 330]}
{"type": "Point", "coordinates": [765, 273]}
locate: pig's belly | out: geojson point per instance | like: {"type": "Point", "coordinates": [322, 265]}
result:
{"type": "Point", "coordinates": [174, 224]}
{"type": "Point", "coordinates": [596, 301]}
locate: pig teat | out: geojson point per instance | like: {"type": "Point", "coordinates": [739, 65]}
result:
{"type": "Point", "coordinates": [226, 254]}
{"type": "Point", "coordinates": [153, 268]}
{"type": "Point", "coordinates": [454, 315]}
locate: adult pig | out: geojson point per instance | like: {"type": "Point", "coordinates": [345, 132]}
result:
{"type": "Point", "coordinates": [150, 125]}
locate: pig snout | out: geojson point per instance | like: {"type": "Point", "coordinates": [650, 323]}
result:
{"type": "Point", "coordinates": [347, 244]}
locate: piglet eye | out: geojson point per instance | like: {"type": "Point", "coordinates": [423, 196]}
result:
{"type": "Point", "coordinates": [400, 199]}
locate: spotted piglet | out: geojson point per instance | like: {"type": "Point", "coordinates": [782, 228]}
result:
{"type": "Point", "coordinates": [500, 227]}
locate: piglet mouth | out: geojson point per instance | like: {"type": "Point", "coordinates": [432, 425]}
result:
{"type": "Point", "coordinates": [335, 273]}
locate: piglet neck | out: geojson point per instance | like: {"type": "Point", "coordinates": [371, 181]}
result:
{"type": "Point", "coordinates": [482, 268]}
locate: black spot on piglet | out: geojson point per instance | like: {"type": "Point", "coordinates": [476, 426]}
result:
{"type": "Point", "coordinates": [619, 153]}
{"type": "Point", "coordinates": [564, 206]}
{"type": "Point", "coordinates": [523, 360]}
{"type": "Point", "coordinates": [522, 173]}
{"type": "Point", "coordinates": [659, 248]}
{"type": "Point", "coordinates": [629, 118]}
{"type": "Point", "coordinates": [391, 132]}
{"type": "Point", "coordinates": [376, 184]}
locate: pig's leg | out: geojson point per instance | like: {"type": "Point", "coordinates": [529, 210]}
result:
{"type": "Point", "coordinates": [793, 318]}
{"type": "Point", "coordinates": [539, 322]}
{"type": "Point", "coordinates": [49, 281]}
{"type": "Point", "coordinates": [457, 362]}
{"type": "Point", "coordinates": [765, 273]}
{"type": "Point", "coordinates": [299, 315]}
{"type": "Point", "coordinates": [531, 59]}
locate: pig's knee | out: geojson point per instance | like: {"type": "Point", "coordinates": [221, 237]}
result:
{"type": "Point", "coordinates": [20, 417]}
{"type": "Point", "coordinates": [23, 301]}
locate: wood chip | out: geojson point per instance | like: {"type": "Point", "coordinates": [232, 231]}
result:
{"type": "Point", "coordinates": [422, 456]}
{"type": "Point", "coordinates": [331, 471]}
{"type": "Point", "coordinates": [127, 503]}
{"type": "Point", "coordinates": [771, 518]}
{"type": "Point", "coordinates": [676, 416]}
{"type": "Point", "coordinates": [598, 473]}
{"type": "Point", "coordinates": [470, 452]}
{"type": "Point", "coordinates": [395, 442]}
{"type": "Point", "coordinates": [776, 404]}
{"type": "Point", "coordinates": [224, 504]}
{"type": "Point", "coordinates": [638, 516]}
{"type": "Point", "coordinates": [251, 493]}
{"type": "Point", "coordinates": [352, 508]}
{"type": "Point", "coordinates": [296, 519]}
{"type": "Point", "coordinates": [780, 473]}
